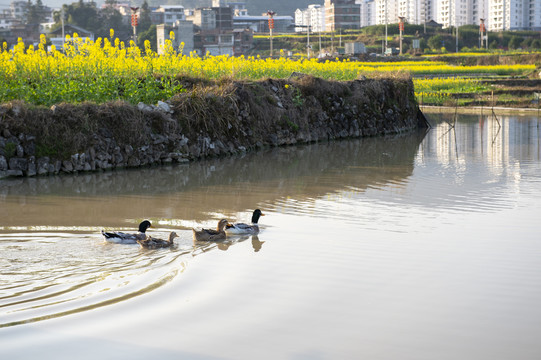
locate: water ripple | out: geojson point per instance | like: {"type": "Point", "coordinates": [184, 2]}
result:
{"type": "Point", "coordinates": [50, 275]}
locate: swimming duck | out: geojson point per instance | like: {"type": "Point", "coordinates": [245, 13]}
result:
{"type": "Point", "coordinates": [118, 237]}
{"type": "Point", "coordinates": [210, 234]}
{"type": "Point", "coordinates": [153, 243]}
{"type": "Point", "coordinates": [241, 228]}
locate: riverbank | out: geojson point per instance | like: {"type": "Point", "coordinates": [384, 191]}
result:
{"type": "Point", "coordinates": [209, 119]}
{"type": "Point", "coordinates": [498, 110]}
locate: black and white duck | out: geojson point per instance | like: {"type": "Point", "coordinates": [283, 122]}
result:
{"type": "Point", "coordinates": [118, 237]}
{"type": "Point", "coordinates": [242, 228]}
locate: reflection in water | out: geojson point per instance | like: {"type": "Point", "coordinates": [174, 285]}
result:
{"type": "Point", "coordinates": [192, 192]}
{"type": "Point", "coordinates": [204, 246]}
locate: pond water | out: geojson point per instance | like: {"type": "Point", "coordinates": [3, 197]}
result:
{"type": "Point", "coordinates": [420, 246]}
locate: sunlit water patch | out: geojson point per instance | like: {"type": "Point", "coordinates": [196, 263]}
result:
{"type": "Point", "coordinates": [46, 275]}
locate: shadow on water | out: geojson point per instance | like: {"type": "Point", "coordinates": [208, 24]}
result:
{"type": "Point", "coordinates": [193, 190]}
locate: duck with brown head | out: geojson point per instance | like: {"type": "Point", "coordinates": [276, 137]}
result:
{"type": "Point", "coordinates": [154, 243]}
{"type": "Point", "coordinates": [211, 234]}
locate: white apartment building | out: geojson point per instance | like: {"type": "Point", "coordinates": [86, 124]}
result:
{"type": "Point", "coordinates": [453, 12]}
{"type": "Point", "coordinates": [368, 12]}
{"type": "Point", "coordinates": [498, 14]}
{"type": "Point", "coordinates": [514, 15]}
{"type": "Point", "coordinates": [314, 16]}
{"type": "Point", "coordinates": [386, 11]}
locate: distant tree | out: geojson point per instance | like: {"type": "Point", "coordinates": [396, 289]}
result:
{"type": "Point", "coordinates": [110, 18]}
{"type": "Point", "coordinates": [494, 44]}
{"type": "Point", "coordinates": [81, 14]}
{"type": "Point", "coordinates": [35, 13]}
{"type": "Point", "coordinates": [514, 42]}
{"type": "Point", "coordinates": [145, 20]}
{"type": "Point", "coordinates": [536, 44]}
{"type": "Point", "coordinates": [98, 21]}
{"type": "Point", "coordinates": [526, 43]}
{"type": "Point", "coordinates": [423, 44]}
{"type": "Point", "coordinates": [150, 35]}
{"type": "Point", "coordinates": [436, 42]}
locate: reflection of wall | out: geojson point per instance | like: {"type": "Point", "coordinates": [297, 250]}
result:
{"type": "Point", "coordinates": [191, 191]}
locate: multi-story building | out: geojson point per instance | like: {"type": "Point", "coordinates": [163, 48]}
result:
{"type": "Point", "coordinates": [282, 24]}
{"type": "Point", "coordinates": [168, 14]}
{"type": "Point", "coordinates": [514, 15]}
{"type": "Point", "coordinates": [18, 9]}
{"type": "Point", "coordinates": [368, 12]}
{"type": "Point", "coordinates": [215, 32]}
{"type": "Point", "coordinates": [239, 7]}
{"type": "Point", "coordinates": [342, 14]}
{"type": "Point", "coordinates": [414, 11]}
{"type": "Point", "coordinates": [313, 16]}
{"type": "Point", "coordinates": [183, 31]}
{"type": "Point", "coordinates": [386, 11]}
{"type": "Point", "coordinates": [445, 12]}
{"type": "Point", "coordinates": [6, 20]}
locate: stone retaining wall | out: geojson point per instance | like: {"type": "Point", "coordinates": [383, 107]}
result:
{"type": "Point", "coordinates": [202, 122]}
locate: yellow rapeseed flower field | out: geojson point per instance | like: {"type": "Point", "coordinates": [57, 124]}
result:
{"type": "Point", "coordinates": [107, 69]}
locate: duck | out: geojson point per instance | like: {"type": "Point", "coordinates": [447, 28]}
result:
{"type": "Point", "coordinates": [242, 228]}
{"type": "Point", "coordinates": [118, 237]}
{"type": "Point", "coordinates": [154, 243]}
{"type": "Point", "coordinates": [210, 234]}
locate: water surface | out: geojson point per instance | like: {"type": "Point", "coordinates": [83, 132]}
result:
{"type": "Point", "coordinates": [418, 246]}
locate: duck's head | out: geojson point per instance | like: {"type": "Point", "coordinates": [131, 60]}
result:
{"type": "Point", "coordinates": [222, 224]}
{"type": "Point", "coordinates": [172, 236]}
{"type": "Point", "coordinates": [144, 226]}
{"type": "Point", "coordinates": [256, 215]}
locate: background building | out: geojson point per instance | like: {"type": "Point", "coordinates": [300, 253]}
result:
{"type": "Point", "coordinates": [368, 12]}
{"type": "Point", "coordinates": [313, 16]}
{"type": "Point", "coordinates": [342, 14]}
{"type": "Point", "coordinates": [183, 31]}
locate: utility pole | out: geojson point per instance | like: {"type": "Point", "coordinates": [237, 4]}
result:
{"type": "Point", "coordinates": [308, 40]}
{"type": "Point", "coordinates": [134, 22]}
{"type": "Point", "coordinates": [320, 42]}
{"type": "Point", "coordinates": [63, 35]}
{"type": "Point", "coordinates": [401, 28]}
{"type": "Point", "coordinates": [457, 38]}
{"type": "Point", "coordinates": [385, 25]}
{"type": "Point", "coordinates": [271, 14]}
{"type": "Point", "coordinates": [481, 32]}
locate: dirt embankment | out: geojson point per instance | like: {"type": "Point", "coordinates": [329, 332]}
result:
{"type": "Point", "coordinates": [210, 119]}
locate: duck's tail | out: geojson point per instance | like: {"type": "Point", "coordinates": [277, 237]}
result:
{"type": "Point", "coordinates": [107, 235]}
